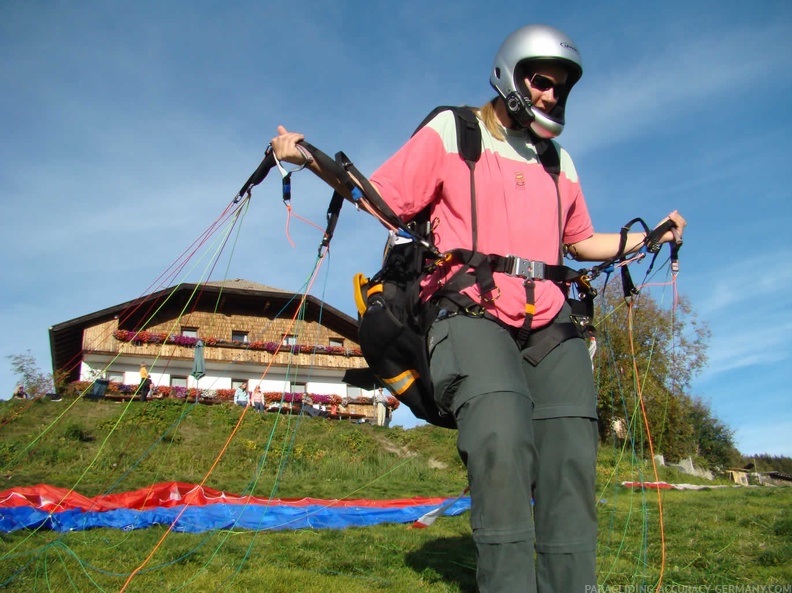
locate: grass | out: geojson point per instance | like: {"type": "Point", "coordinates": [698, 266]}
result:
{"type": "Point", "coordinates": [729, 536]}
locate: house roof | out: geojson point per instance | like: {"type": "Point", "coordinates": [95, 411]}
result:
{"type": "Point", "coordinates": [246, 285]}
{"type": "Point", "coordinates": [66, 338]}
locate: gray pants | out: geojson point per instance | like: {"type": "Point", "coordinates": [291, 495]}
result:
{"type": "Point", "coordinates": [528, 437]}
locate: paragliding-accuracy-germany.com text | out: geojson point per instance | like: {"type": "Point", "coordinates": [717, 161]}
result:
{"type": "Point", "coordinates": [690, 589]}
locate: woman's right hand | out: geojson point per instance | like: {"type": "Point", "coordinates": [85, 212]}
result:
{"type": "Point", "coordinates": [284, 145]}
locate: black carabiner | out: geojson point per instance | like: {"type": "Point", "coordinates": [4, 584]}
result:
{"type": "Point", "coordinates": [287, 189]}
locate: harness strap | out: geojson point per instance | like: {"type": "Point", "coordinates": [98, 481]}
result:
{"type": "Point", "coordinates": [534, 270]}
{"type": "Point", "coordinates": [333, 210]}
{"type": "Point", "coordinates": [534, 346]}
{"type": "Point", "coordinates": [542, 341]}
{"type": "Point", "coordinates": [376, 200]}
{"type": "Point", "coordinates": [485, 265]}
{"type": "Point", "coordinates": [524, 333]}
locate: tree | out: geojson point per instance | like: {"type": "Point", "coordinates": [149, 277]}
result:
{"type": "Point", "coordinates": [765, 462]}
{"type": "Point", "coordinates": [714, 439]}
{"type": "Point", "coordinates": [34, 380]}
{"type": "Point", "coordinates": [647, 358]}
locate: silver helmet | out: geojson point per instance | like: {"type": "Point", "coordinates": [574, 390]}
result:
{"type": "Point", "coordinates": [526, 46]}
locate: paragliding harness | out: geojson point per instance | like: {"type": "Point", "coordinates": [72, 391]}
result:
{"type": "Point", "coordinates": [393, 322]}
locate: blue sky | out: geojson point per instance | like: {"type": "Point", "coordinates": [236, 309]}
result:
{"type": "Point", "coordinates": [128, 127]}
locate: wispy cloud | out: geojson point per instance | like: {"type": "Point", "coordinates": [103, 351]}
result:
{"type": "Point", "coordinates": [680, 82]}
{"type": "Point", "coordinates": [752, 347]}
{"type": "Point", "coordinates": [743, 299]}
{"type": "Point", "coordinates": [741, 285]}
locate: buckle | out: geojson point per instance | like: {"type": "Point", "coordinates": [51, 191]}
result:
{"type": "Point", "coordinates": [474, 311]}
{"type": "Point", "coordinates": [527, 268]}
{"type": "Point", "coordinates": [492, 299]}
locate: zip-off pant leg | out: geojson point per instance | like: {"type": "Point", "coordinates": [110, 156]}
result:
{"type": "Point", "coordinates": [477, 373]}
{"type": "Point", "coordinates": [496, 442]}
{"type": "Point", "coordinates": [564, 511]}
{"type": "Point", "coordinates": [566, 522]}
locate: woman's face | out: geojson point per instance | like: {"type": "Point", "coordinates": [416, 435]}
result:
{"type": "Point", "coordinates": [545, 82]}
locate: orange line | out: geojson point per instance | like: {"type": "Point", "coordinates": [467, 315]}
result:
{"type": "Point", "coordinates": [288, 219]}
{"type": "Point", "coordinates": [651, 447]}
{"type": "Point", "coordinates": [228, 441]}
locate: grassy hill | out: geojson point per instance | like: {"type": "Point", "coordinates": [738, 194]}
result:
{"type": "Point", "coordinates": [720, 536]}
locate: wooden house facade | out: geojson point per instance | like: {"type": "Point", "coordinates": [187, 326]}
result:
{"type": "Point", "coordinates": [250, 333]}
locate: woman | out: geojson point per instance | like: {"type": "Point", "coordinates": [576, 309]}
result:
{"type": "Point", "coordinates": [241, 395]}
{"type": "Point", "coordinates": [19, 392]}
{"type": "Point", "coordinates": [258, 399]}
{"type": "Point", "coordinates": [527, 430]}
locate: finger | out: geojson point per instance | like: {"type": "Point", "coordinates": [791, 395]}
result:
{"type": "Point", "coordinates": [284, 133]}
{"type": "Point", "coordinates": [675, 217]}
{"type": "Point", "coordinates": [286, 138]}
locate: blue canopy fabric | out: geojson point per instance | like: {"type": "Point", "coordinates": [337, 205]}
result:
{"type": "Point", "coordinates": [49, 508]}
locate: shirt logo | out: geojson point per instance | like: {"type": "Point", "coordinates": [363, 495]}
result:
{"type": "Point", "coordinates": [519, 181]}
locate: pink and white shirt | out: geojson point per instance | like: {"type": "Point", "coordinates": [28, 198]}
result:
{"type": "Point", "coordinates": [517, 208]}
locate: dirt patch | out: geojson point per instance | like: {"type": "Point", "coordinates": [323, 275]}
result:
{"type": "Point", "coordinates": [396, 449]}
{"type": "Point", "coordinates": [405, 452]}
{"type": "Point", "coordinates": [435, 464]}
{"type": "Point", "coordinates": [391, 447]}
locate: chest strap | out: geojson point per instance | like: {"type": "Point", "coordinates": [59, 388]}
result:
{"type": "Point", "coordinates": [484, 266]}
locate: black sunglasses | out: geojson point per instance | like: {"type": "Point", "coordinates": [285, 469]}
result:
{"type": "Point", "coordinates": [542, 83]}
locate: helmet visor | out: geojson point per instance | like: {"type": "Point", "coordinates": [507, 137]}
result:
{"type": "Point", "coordinates": [526, 72]}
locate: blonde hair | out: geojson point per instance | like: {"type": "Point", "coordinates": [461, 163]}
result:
{"type": "Point", "coordinates": [488, 115]}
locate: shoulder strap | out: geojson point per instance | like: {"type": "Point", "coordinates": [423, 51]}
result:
{"type": "Point", "coordinates": [548, 155]}
{"type": "Point", "coordinates": [468, 135]}
{"type": "Point", "coordinates": [467, 128]}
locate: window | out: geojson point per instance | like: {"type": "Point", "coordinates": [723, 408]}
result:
{"type": "Point", "coordinates": [237, 382]}
{"type": "Point", "coordinates": [339, 342]}
{"type": "Point", "coordinates": [354, 391]}
{"type": "Point", "coordinates": [298, 387]}
{"type": "Point", "coordinates": [115, 376]}
{"type": "Point", "coordinates": [289, 340]}
{"type": "Point", "coordinates": [190, 332]}
{"type": "Point", "coordinates": [239, 336]}
{"type": "Point", "coordinates": [176, 381]}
